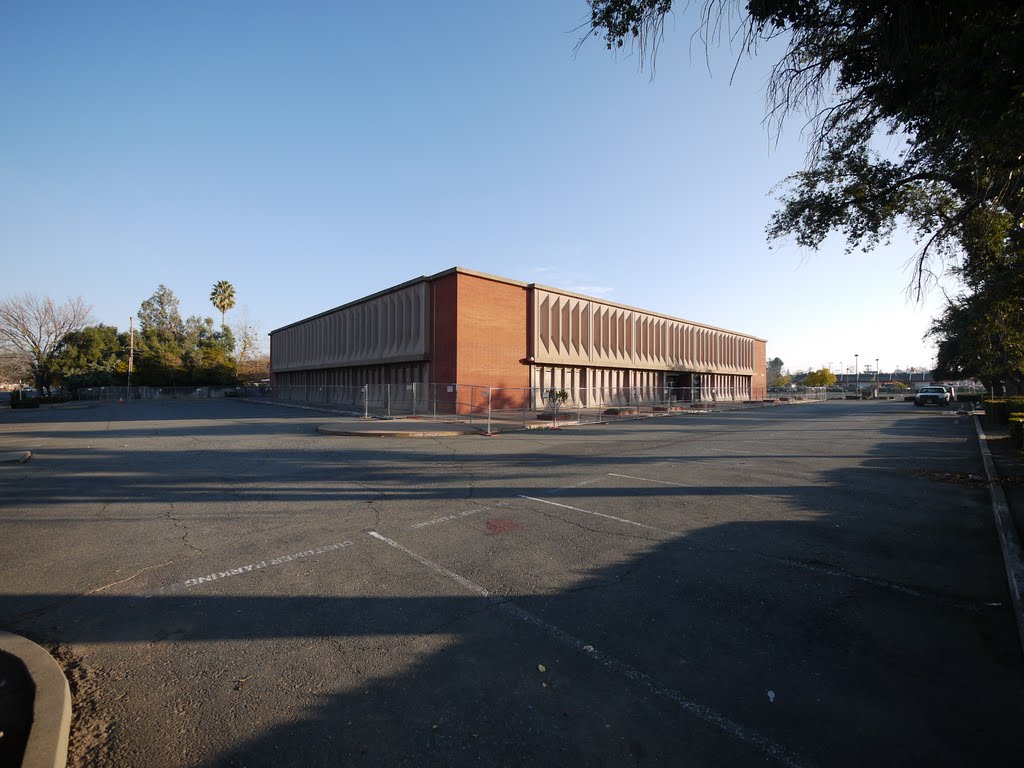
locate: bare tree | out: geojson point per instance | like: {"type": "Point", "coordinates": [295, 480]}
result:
{"type": "Point", "coordinates": [37, 327]}
{"type": "Point", "coordinates": [250, 355]}
{"type": "Point", "coordinates": [14, 366]}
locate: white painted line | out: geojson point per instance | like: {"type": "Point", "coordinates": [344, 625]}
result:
{"type": "Point", "coordinates": [648, 480]}
{"type": "Point", "coordinates": [596, 514]}
{"type": "Point", "coordinates": [433, 566]}
{"type": "Point", "coordinates": [243, 569]}
{"type": "Point", "coordinates": [580, 484]}
{"type": "Point", "coordinates": [448, 518]}
{"type": "Point", "coordinates": [612, 664]}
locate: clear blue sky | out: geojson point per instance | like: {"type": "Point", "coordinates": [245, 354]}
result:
{"type": "Point", "coordinates": [314, 152]}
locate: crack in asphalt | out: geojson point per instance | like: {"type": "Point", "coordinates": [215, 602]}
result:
{"type": "Point", "coordinates": [129, 578]}
{"type": "Point", "coordinates": [179, 524]}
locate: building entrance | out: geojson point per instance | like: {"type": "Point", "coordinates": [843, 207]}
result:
{"type": "Point", "coordinates": [679, 386]}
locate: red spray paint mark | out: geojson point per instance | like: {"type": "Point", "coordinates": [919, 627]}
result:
{"type": "Point", "coordinates": [497, 527]}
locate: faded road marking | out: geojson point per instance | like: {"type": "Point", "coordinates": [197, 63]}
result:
{"type": "Point", "coordinates": [648, 480]}
{"type": "Point", "coordinates": [596, 514]}
{"type": "Point", "coordinates": [432, 565]}
{"type": "Point", "coordinates": [448, 518]}
{"type": "Point", "coordinates": [498, 527]}
{"type": "Point", "coordinates": [242, 569]}
{"type": "Point", "coordinates": [612, 664]}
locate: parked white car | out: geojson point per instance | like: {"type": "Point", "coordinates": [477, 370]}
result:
{"type": "Point", "coordinates": [933, 396]}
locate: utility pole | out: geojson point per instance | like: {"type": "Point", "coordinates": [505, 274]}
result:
{"type": "Point", "coordinates": [131, 356]}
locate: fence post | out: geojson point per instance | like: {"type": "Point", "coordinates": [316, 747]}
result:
{"type": "Point", "coordinates": [488, 395]}
{"type": "Point", "coordinates": [387, 395]}
{"type": "Point", "coordinates": [366, 401]}
{"type": "Point", "coordinates": [414, 398]}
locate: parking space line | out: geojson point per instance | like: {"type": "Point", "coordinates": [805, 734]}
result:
{"type": "Point", "coordinates": [612, 664]}
{"type": "Point", "coordinates": [648, 480]}
{"type": "Point", "coordinates": [597, 514]}
{"type": "Point", "coordinates": [580, 484]}
{"type": "Point", "coordinates": [437, 568]}
{"type": "Point", "coordinates": [449, 518]}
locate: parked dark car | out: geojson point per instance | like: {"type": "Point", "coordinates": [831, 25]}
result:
{"type": "Point", "coordinates": [932, 396]}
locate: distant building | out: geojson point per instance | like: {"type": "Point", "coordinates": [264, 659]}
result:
{"type": "Point", "coordinates": [913, 380]}
{"type": "Point", "coordinates": [468, 328]}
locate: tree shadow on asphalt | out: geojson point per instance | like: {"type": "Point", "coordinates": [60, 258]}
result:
{"type": "Point", "coordinates": [876, 628]}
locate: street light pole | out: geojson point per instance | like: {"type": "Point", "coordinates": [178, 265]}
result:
{"type": "Point", "coordinates": [856, 373]}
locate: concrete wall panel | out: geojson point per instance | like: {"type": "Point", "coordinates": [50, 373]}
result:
{"type": "Point", "coordinates": [388, 328]}
{"type": "Point", "coordinates": [573, 330]}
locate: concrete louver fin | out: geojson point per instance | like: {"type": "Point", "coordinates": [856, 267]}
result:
{"type": "Point", "coordinates": [574, 331]}
{"type": "Point", "coordinates": [388, 327]}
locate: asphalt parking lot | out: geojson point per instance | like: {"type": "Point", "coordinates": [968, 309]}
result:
{"type": "Point", "coordinates": [805, 585]}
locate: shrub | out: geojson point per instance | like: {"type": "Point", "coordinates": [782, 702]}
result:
{"type": "Point", "coordinates": [1016, 425]}
{"type": "Point", "coordinates": [998, 410]}
{"type": "Point", "coordinates": [19, 399]}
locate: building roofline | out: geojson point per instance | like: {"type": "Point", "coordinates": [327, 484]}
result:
{"type": "Point", "coordinates": [355, 302]}
{"type": "Point", "coordinates": [508, 281]}
{"type": "Point", "coordinates": [651, 312]}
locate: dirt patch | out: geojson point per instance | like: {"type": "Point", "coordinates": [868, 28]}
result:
{"type": "Point", "coordinates": [960, 478]}
{"type": "Point", "coordinates": [91, 732]}
{"type": "Point", "coordinates": [1010, 465]}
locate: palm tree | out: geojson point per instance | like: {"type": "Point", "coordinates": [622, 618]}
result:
{"type": "Point", "coordinates": [223, 297]}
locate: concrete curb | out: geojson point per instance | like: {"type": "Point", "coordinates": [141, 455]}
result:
{"type": "Point", "coordinates": [1009, 540]}
{"type": "Point", "coordinates": [51, 712]}
{"type": "Point", "coordinates": [326, 429]}
{"type": "Point", "coordinates": [15, 457]}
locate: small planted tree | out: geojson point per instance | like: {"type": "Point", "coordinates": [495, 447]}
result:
{"type": "Point", "coordinates": [556, 399]}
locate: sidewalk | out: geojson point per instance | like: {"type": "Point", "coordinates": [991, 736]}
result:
{"type": "Point", "coordinates": [1004, 466]}
{"type": "Point", "coordinates": [1010, 466]}
{"type": "Point", "coordinates": [397, 428]}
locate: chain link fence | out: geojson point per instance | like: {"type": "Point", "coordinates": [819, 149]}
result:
{"type": "Point", "coordinates": [525, 407]}
{"type": "Point", "coordinates": [486, 407]}
{"type": "Point", "coordinates": [168, 393]}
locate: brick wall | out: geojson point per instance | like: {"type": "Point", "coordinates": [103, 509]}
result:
{"type": "Point", "coordinates": [492, 335]}
{"type": "Point", "coordinates": [759, 381]}
{"type": "Point", "coordinates": [443, 338]}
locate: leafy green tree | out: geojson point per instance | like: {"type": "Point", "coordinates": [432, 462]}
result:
{"type": "Point", "coordinates": [982, 337]}
{"type": "Point", "coordinates": [774, 373]}
{"type": "Point", "coordinates": [176, 352]}
{"type": "Point", "coordinates": [941, 76]}
{"type": "Point", "coordinates": [159, 345]}
{"type": "Point", "coordinates": [207, 355]}
{"type": "Point", "coordinates": [823, 377]}
{"type": "Point", "coordinates": [91, 357]}
{"type": "Point", "coordinates": [161, 312]}
{"type": "Point", "coordinates": [223, 297]}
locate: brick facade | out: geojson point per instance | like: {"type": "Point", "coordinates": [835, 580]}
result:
{"type": "Point", "coordinates": [492, 332]}
{"type": "Point", "coordinates": [479, 331]}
